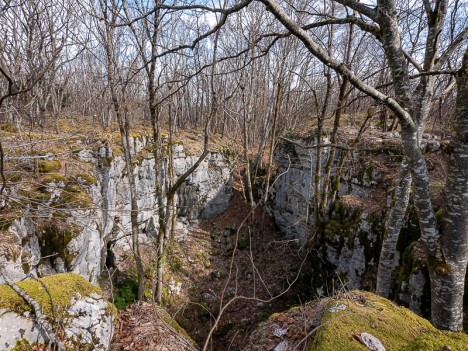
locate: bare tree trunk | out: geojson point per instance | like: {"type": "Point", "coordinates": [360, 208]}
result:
{"type": "Point", "coordinates": [320, 124]}
{"type": "Point", "coordinates": [448, 275]}
{"type": "Point", "coordinates": [273, 138]}
{"type": "Point", "coordinates": [123, 127]}
{"type": "Point", "coordinates": [336, 124]}
{"type": "Point", "coordinates": [388, 260]}
{"type": "Point", "coordinates": [331, 157]}
{"type": "Point", "coordinates": [247, 96]}
{"type": "Point", "coordinates": [122, 119]}
{"type": "Point", "coordinates": [160, 188]}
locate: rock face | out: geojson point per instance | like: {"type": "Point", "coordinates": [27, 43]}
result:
{"type": "Point", "coordinates": [347, 247]}
{"type": "Point", "coordinates": [93, 210]}
{"type": "Point", "coordinates": [75, 308]}
{"type": "Point", "coordinates": [292, 196]}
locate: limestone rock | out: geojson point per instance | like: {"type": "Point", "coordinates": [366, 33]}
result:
{"type": "Point", "coordinates": [371, 342]}
{"type": "Point", "coordinates": [351, 239]}
{"type": "Point", "coordinates": [95, 211]}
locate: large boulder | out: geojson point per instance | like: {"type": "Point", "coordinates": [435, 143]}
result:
{"type": "Point", "coordinates": [74, 307]}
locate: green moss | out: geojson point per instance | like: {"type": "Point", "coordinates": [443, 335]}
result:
{"type": "Point", "coordinates": [406, 267]}
{"type": "Point", "coordinates": [45, 166]}
{"type": "Point", "coordinates": [336, 186]}
{"type": "Point", "coordinates": [23, 345]}
{"type": "Point", "coordinates": [74, 196]}
{"type": "Point", "coordinates": [62, 287]}
{"type": "Point", "coordinates": [447, 147]}
{"type": "Point", "coordinates": [86, 178]}
{"type": "Point", "coordinates": [7, 128]}
{"type": "Point", "coordinates": [438, 340]}
{"type": "Point", "coordinates": [105, 161]}
{"type": "Point", "coordinates": [73, 188]}
{"type": "Point", "coordinates": [295, 309]}
{"type": "Point", "coordinates": [5, 222]}
{"type": "Point", "coordinates": [14, 177]}
{"type": "Point", "coordinates": [397, 328]}
{"type": "Point", "coordinates": [53, 178]}
{"type": "Point", "coordinates": [227, 153]}
{"type": "Point", "coordinates": [332, 228]}
{"type": "Point", "coordinates": [35, 196]}
{"type": "Point", "coordinates": [439, 215]}
{"type": "Point", "coordinates": [274, 316]}
{"type": "Point", "coordinates": [204, 258]}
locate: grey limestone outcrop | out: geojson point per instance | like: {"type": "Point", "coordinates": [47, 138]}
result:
{"type": "Point", "coordinates": [345, 249]}
{"type": "Point", "coordinates": [98, 214]}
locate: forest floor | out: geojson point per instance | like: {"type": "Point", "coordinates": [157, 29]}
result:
{"type": "Point", "coordinates": [235, 266]}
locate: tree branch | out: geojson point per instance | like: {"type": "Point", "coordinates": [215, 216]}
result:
{"type": "Point", "coordinates": [358, 7]}
{"type": "Point", "coordinates": [341, 68]}
{"type": "Point", "coordinates": [413, 61]}
{"type": "Point", "coordinates": [451, 48]}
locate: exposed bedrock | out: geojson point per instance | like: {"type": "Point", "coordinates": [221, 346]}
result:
{"type": "Point", "coordinates": [77, 222]}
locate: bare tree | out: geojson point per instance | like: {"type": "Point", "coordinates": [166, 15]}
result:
{"type": "Point", "coordinates": [411, 108]}
{"type": "Point", "coordinates": [118, 82]}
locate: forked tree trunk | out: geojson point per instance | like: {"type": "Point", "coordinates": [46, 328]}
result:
{"type": "Point", "coordinates": [448, 275]}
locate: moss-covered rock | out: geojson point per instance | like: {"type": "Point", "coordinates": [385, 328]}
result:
{"type": "Point", "coordinates": [86, 178]}
{"type": "Point", "coordinates": [336, 324]}
{"type": "Point", "coordinates": [62, 287]}
{"type": "Point", "coordinates": [397, 328]}
{"type": "Point", "coordinates": [346, 246]}
{"type": "Point", "coordinates": [73, 306]}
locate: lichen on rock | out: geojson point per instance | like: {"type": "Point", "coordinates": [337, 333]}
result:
{"type": "Point", "coordinates": [85, 198]}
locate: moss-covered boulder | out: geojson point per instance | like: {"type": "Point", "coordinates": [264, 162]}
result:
{"type": "Point", "coordinates": [345, 322]}
{"type": "Point", "coordinates": [396, 327]}
{"type": "Point", "coordinates": [73, 306]}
